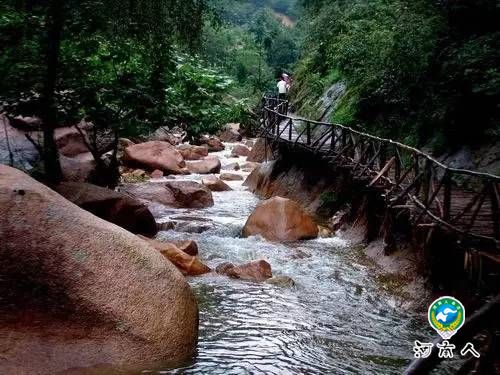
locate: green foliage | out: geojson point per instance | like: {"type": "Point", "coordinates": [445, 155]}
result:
{"type": "Point", "coordinates": [415, 70]}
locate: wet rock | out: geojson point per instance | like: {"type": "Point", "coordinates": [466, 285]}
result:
{"type": "Point", "coordinates": [208, 165]}
{"type": "Point", "coordinates": [166, 225]}
{"type": "Point", "coordinates": [232, 167]}
{"type": "Point", "coordinates": [339, 220]}
{"type": "Point", "coordinates": [156, 174]}
{"type": "Point", "coordinates": [155, 155]}
{"type": "Point", "coordinates": [101, 292]}
{"type": "Point", "coordinates": [188, 265]}
{"type": "Point", "coordinates": [231, 177]}
{"type": "Point", "coordinates": [190, 247]}
{"type": "Point", "coordinates": [112, 206]}
{"type": "Point", "coordinates": [215, 184]}
{"type": "Point", "coordinates": [324, 232]}
{"type": "Point", "coordinates": [240, 150]}
{"type": "Point", "coordinates": [280, 219]}
{"type": "Point", "coordinates": [190, 152]}
{"type": "Point", "coordinates": [230, 133]}
{"type": "Point", "coordinates": [177, 194]}
{"type": "Point", "coordinates": [190, 194]}
{"type": "Point", "coordinates": [250, 143]}
{"type": "Point", "coordinates": [213, 143]}
{"type": "Point", "coordinates": [259, 270]}
{"type": "Point", "coordinates": [260, 152]}
{"type": "Point", "coordinates": [193, 227]}
{"type": "Point", "coordinates": [282, 281]}
{"type": "Point", "coordinates": [79, 168]}
{"type": "Point", "coordinates": [150, 191]}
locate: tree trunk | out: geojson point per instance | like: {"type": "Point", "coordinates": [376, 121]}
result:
{"type": "Point", "coordinates": [55, 19]}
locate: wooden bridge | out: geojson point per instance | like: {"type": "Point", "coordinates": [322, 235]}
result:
{"type": "Point", "coordinates": [463, 201]}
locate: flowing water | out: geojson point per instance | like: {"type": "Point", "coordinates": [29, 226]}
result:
{"type": "Point", "coordinates": [335, 319]}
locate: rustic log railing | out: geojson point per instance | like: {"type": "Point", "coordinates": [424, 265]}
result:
{"type": "Point", "coordinates": [466, 202]}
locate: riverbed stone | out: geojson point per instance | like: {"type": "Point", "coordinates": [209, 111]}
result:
{"type": "Point", "coordinates": [207, 165]}
{"type": "Point", "coordinates": [259, 270]}
{"type": "Point", "coordinates": [192, 152]}
{"type": "Point", "coordinates": [190, 194]}
{"type": "Point", "coordinates": [280, 219]}
{"type": "Point", "coordinates": [78, 291]}
{"type": "Point", "coordinates": [231, 167]}
{"type": "Point", "coordinates": [213, 143]}
{"type": "Point", "coordinates": [230, 133]}
{"type": "Point", "coordinates": [240, 150]}
{"type": "Point", "coordinates": [215, 184]}
{"type": "Point", "coordinates": [231, 177]}
{"type": "Point", "coordinates": [112, 206]}
{"type": "Point", "coordinates": [190, 247]}
{"type": "Point", "coordinates": [155, 155]}
{"type": "Point", "coordinates": [188, 265]}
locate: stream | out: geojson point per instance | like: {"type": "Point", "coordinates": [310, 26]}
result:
{"type": "Point", "coordinates": [336, 319]}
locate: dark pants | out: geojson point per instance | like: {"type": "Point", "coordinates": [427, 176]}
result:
{"type": "Point", "coordinates": [282, 96]}
{"type": "Point", "coordinates": [282, 107]}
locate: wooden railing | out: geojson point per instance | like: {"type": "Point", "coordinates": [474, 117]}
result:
{"type": "Point", "coordinates": [463, 201]}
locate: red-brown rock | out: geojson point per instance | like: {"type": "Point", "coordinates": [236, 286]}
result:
{"type": "Point", "coordinates": [259, 270]}
{"type": "Point", "coordinates": [157, 174]}
{"type": "Point", "coordinates": [208, 165]}
{"type": "Point", "coordinates": [215, 184]}
{"type": "Point", "coordinates": [70, 142]}
{"type": "Point", "coordinates": [280, 219]}
{"type": "Point", "coordinates": [214, 144]}
{"type": "Point", "coordinates": [230, 134]}
{"type": "Point", "coordinates": [78, 291]}
{"type": "Point", "coordinates": [190, 194]}
{"type": "Point", "coordinates": [231, 177]}
{"type": "Point", "coordinates": [190, 247]}
{"type": "Point", "coordinates": [187, 264]}
{"type": "Point", "coordinates": [155, 155]}
{"type": "Point", "coordinates": [240, 150]}
{"type": "Point", "coordinates": [112, 206]}
{"type": "Point", "coordinates": [190, 152]}
{"type": "Point", "coordinates": [260, 152]}
{"type": "Point", "coordinates": [79, 168]}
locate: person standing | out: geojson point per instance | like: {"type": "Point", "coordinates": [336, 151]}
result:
{"type": "Point", "coordinates": [282, 89]}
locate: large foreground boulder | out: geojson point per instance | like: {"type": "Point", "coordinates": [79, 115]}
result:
{"type": "Point", "coordinates": [78, 292]}
{"type": "Point", "coordinates": [112, 206]}
{"type": "Point", "coordinates": [208, 165]}
{"type": "Point", "coordinates": [280, 219]}
{"type": "Point", "coordinates": [155, 155]}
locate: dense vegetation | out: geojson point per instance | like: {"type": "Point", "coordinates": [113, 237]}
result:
{"type": "Point", "coordinates": [419, 71]}
{"type": "Point", "coordinates": [132, 66]}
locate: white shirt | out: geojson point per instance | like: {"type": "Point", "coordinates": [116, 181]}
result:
{"type": "Point", "coordinates": [282, 87]}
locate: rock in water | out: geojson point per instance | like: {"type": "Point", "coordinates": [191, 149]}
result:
{"type": "Point", "coordinates": [259, 270]}
{"type": "Point", "coordinates": [102, 294]}
{"type": "Point", "coordinates": [112, 206]}
{"type": "Point", "coordinates": [189, 246]}
{"type": "Point", "coordinates": [190, 194]}
{"type": "Point", "coordinates": [190, 152]}
{"type": "Point", "coordinates": [240, 150]}
{"type": "Point", "coordinates": [189, 265]}
{"type": "Point", "coordinates": [280, 219]}
{"type": "Point", "coordinates": [155, 155]}
{"type": "Point", "coordinates": [215, 184]}
{"type": "Point", "coordinates": [230, 133]}
{"type": "Point", "coordinates": [231, 177]}
{"type": "Point", "coordinates": [214, 144]}
{"type": "Point", "coordinates": [208, 165]}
